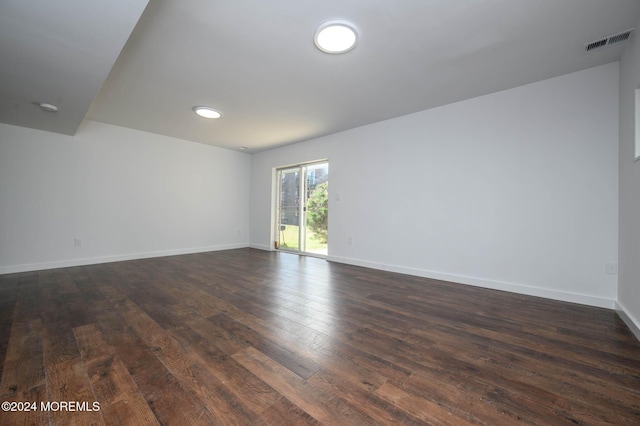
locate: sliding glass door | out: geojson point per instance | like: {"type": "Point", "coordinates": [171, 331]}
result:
{"type": "Point", "coordinates": [303, 208]}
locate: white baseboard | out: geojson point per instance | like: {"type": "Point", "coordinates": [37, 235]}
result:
{"type": "Point", "coordinates": [582, 299]}
{"type": "Point", "coordinates": [115, 258]}
{"type": "Point", "coordinates": [633, 324]}
{"type": "Point", "coordinates": [630, 320]}
{"type": "Point", "coordinates": [261, 247]}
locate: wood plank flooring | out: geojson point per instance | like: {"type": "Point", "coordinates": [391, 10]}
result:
{"type": "Point", "coordinates": [247, 337]}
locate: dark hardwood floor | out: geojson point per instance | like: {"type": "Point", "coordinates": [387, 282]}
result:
{"type": "Point", "coordinates": [259, 338]}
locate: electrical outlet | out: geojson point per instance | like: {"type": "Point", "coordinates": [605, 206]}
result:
{"type": "Point", "coordinates": [77, 242]}
{"type": "Point", "coordinates": [350, 241]}
{"type": "Point", "coordinates": [611, 268]}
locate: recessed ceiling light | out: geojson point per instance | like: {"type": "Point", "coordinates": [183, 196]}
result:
{"type": "Point", "coordinates": [48, 107]}
{"type": "Point", "coordinates": [335, 37]}
{"type": "Point", "coordinates": [206, 112]}
{"type": "Point", "coordinates": [244, 148]}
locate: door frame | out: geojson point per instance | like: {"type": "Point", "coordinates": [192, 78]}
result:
{"type": "Point", "coordinates": [276, 213]}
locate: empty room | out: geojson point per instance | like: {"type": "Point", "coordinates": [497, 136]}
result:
{"type": "Point", "coordinates": [249, 212]}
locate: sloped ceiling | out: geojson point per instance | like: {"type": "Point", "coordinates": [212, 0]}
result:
{"type": "Point", "coordinates": [255, 61]}
{"type": "Point", "coordinates": [59, 52]}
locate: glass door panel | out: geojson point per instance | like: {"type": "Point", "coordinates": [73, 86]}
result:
{"type": "Point", "coordinates": [316, 211]}
{"type": "Point", "coordinates": [289, 209]}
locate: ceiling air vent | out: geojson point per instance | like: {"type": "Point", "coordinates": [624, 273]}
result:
{"type": "Point", "coordinates": [607, 41]}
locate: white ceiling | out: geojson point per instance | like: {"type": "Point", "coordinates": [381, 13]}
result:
{"type": "Point", "coordinates": [59, 52]}
{"type": "Point", "coordinates": [255, 61]}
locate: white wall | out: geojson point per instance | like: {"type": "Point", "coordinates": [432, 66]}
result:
{"type": "Point", "coordinates": [125, 193]}
{"type": "Point", "coordinates": [515, 190]}
{"type": "Point", "coordinates": [629, 287]}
